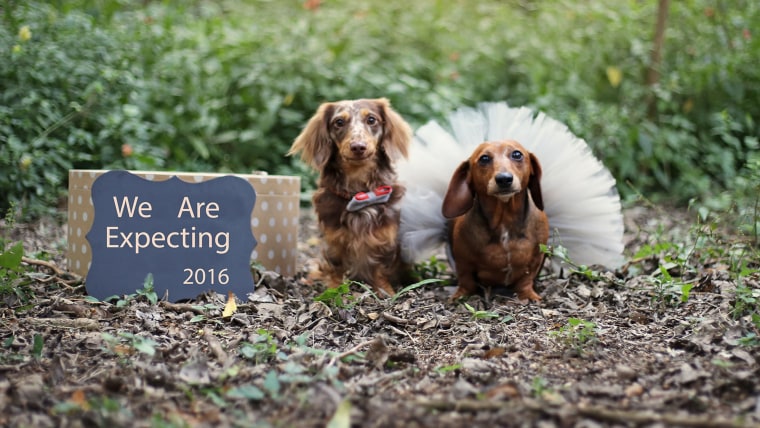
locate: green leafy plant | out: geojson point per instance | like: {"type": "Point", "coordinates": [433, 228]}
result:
{"type": "Point", "coordinates": [262, 349]}
{"type": "Point", "coordinates": [120, 301]}
{"type": "Point", "coordinates": [448, 368]}
{"type": "Point", "coordinates": [577, 334]}
{"type": "Point", "coordinates": [431, 268]}
{"type": "Point", "coordinates": [249, 392]}
{"type": "Point", "coordinates": [480, 314]}
{"type": "Point", "coordinates": [752, 337]}
{"type": "Point", "coordinates": [414, 286]}
{"type": "Point", "coordinates": [38, 343]}
{"type": "Point", "coordinates": [667, 290]}
{"type": "Point", "coordinates": [7, 354]}
{"type": "Point", "coordinates": [13, 278]}
{"type": "Point", "coordinates": [206, 309]}
{"type": "Point", "coordinates": [539, 386]}
{"type": "Point", "coordinates": [101, 409]}
{"type": "Point", "coordinates": [130, 341]}
{"type": "Point", "coordinates": [558, 252]}
{"type": "Point", "coordinates": [338, 297]}
{"type": "Point", "coordinates": [11, 271]}
{"type": "Point", "coordinates": [148, 291]}
{"type": "Point", "coordinates": [747, 301]}
{"type": "Point", "coordinates": [749, 340]}
{"type": "Point", "coordinates": [177, 86]}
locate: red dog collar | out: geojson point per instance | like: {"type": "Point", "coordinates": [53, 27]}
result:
{"type": "Point", "coordinates": [364, 199]}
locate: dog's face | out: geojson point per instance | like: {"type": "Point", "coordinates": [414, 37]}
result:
{"type": "Point", "coordinates": [356, 130]}
{"type": "Point", "coordinates": [499, 170]}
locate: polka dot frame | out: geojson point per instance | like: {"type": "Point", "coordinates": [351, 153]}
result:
{"type": "Point", "coordinates": [274, 220]}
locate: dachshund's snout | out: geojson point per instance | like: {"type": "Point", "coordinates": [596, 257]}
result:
{"type": "Point", "coordinates": [358, 148]}
{"type": "Point", "coordinates": [504, 180]}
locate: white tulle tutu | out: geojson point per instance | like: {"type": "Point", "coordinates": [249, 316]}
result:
{"type": "Point", "coordinates": [579, 193]}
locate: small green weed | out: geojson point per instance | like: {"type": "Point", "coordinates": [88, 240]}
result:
{"type": "Point", "coordinates": [577, 334]}
{"type": "Point", "coordinates": [38, 343]}
{"type": "Point", "coordinates": [14, 280]}
{"type": "Point", "coordinates": [749, 340]}
{"type": "Point", "coordinates": [263, 349]}
{"type": "Point", "coordinates": [104, 410]}
{"type": "Point", "coordinates": [161, 419]}
{"type": "Point", "coordinates": [480, 314]}
{"type": "Point", "coordinates": [207, 308]}
{"type": "Point", "coordinates": [431, 268]}
{"type": "Point", "coordinates": [126, 342]}
{"type": "Point", "coordinates": [414, 286]}
{"type": "Point", "coordinates": [539, 387]}
{"type": "Point", "coordinates": [147, 291]}
{"type": "Point", "coordinates": [746, 301]}
{"type": "Point", "coordinates": [249, 392]}
{"type": "Point", "coordinates": [448, 368]}
{"type": "Point", "coordinates": [667, 290]}
{"type": "Point", "coordinates": [341, 297]}
{"type": "Point", "coordinates": [338, 297]}
{"type": "Point", "coordinates": [7, 354]}
{"type": "Point", "coordinates": [560, 253]}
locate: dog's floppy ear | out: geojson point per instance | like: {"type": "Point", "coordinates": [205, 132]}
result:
{"type": "Point", "coordinates": [314, 141]}
{"type": "Point", "coordinates": [534, 182]}
{"type": "Point", "coordinates": [397, 134]}
{"type": "Point", "coordinates": [459, 197]}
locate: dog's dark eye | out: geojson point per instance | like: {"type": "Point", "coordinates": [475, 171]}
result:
{"type": "Point", "coordinates": [338, 123]}
{"type": "Point", "coordinates": [484, 160]}
{"type": "Point", "coordinates": [517, 155]}
{"type": "Point", "coordinates": [371, 120]}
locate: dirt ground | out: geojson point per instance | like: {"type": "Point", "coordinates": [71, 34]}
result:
{"type": "Point", "coordinates": [604, 349]}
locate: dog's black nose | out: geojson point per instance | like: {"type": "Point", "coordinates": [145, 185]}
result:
{"type": "Point", "coordinates": [358, 148]}
{"type": "Point", "coordinates": [504, 179]}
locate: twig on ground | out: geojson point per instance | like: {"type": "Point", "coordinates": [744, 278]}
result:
{"type": "Point", "coordinates": [59, 275]}
{"type": "Point", "coordinates": [47, 264]}
{"type": "Point", "coordinates": [593, 412]}
{"type": "Point", "coordinates": [351, 351]}
{"type": "Point", "coordinates": [648, 417]}
{"type": "Point", "coordinates": [182, 307]}
{"type": "Point", "coordinates": [78, 323]}
{"type": "Point", "coordinates": [392, 318]}
{"type": "Point", "coordinates": [214, 345]}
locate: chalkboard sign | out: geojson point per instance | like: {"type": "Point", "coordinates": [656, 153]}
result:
{"type": "Point", "coordinates": [192, 237]}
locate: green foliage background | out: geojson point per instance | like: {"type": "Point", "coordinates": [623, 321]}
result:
{"type": "Point", "coordinates": [227, 85]}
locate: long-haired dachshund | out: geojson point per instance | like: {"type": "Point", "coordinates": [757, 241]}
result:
{"type": "Point", "coordinates": [494, 199]}
{"type": "Point", "coordinates": [353, 144]}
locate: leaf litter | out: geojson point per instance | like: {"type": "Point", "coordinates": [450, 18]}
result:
{"type": "Point", "coordinates": [603, 350]}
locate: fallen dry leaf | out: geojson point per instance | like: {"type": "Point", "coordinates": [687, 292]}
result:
{"type": "Point", "coordinates": [231, 307]}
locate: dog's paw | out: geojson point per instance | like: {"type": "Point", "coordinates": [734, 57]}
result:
{"type": "Point", "coordinates": [460, 293]}
{"type": "Point", "coordinates": [526, 296]}
{"type": "Point", "coordinates": [385, 291]}
{"type": "Point", "coordinates": [314, 273]}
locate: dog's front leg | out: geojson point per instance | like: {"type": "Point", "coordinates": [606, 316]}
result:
{"type": "Point", "coordinates": [324, 273]}
{"type": "Point", "coordinates": [327, 272]}
{"type": "Point", "coordinates": [524, 288]}
{"type": "Point", "coordinates": [467, 284]}
{"type": "Point", "coordinates": [382, 286]}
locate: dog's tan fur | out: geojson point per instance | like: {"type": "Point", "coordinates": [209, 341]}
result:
{"type": "Point", "coordinates": [497, 223]}
{"type": "Point", "coordinates": [353, 144]}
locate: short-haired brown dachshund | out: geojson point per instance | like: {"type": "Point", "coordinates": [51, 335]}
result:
{"type": "Point", "coordinates": [498, 223]}
{"type": "Point", "coordinates": [354, 145]}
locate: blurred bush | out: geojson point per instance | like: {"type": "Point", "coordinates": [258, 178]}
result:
{"type": "Point", "coordinates": [226, 86]}
{"type": "Point", "coordinates": [592, 76]}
